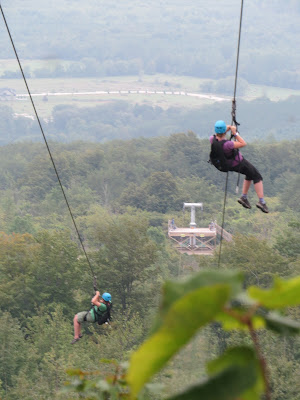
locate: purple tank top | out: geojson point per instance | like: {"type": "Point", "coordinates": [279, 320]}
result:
{"type": "Point", "coordinates": [228, 148]}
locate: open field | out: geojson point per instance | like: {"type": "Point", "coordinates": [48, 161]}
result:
{"type": "Point", "coordinates": [45, 108]}
{"type": "Point", "coordinates": [81, 92]}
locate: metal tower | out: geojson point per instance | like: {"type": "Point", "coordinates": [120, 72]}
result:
{"type": "Point", "coordinates": [194, 240]}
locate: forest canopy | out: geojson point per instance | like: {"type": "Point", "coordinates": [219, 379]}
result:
{"type": "Point", "coordinates": [261, 120]}
{"type": "Point", "coordinates": [122, 194]}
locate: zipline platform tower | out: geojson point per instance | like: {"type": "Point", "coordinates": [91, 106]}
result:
{"type": "Point", "coordinates": [193, 240]}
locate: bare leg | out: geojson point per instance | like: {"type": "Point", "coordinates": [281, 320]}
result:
{"type": "Point", "coordinates": [259, 188]}
{"type": "Point", "coordinates": [246, 186]}
{"type": "Point", "coordinates": [76, 328]}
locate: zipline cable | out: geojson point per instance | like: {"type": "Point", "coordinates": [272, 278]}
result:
{"type": "Point", "coordinates": [238, 51]}
{"type": "Point", "coordinates": [233, 111]}
{"type": "Point", "coordinates": [49, 151]}
{"type": "Point", "coordinates": [233, 114]}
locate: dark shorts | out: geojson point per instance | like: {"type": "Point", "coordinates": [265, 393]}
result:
{"type": "Point", "coordinates": [246, 168]}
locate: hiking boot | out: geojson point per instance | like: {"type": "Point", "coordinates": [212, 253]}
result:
{"type": "Point", "coordinates": [263, 207]}
{"type": "Point", "coordinates": [75, 340]}
{"type": "Point", "coordinates": [244, 202]}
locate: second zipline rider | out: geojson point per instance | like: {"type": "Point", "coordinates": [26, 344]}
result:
{"type": "Point", "coordinates": [225, 156]}
{"type": "Point", "coordinates": [99, 312]}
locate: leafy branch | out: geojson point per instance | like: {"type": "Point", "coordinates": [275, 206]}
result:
{"type": "Point", "coordinates": [241, 373]}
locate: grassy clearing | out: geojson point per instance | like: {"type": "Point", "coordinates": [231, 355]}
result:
{"type": "Point", "coordinates": [74, 86]}
{"type": "Point", "coordinates": [161, 82]}
{"type": "Point", "coordinates": [273, 93]}
{"type": "Point", "coordinates": [45, 108]}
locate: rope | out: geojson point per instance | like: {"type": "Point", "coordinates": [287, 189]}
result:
{"type": "Point", "coordinates": [49, 151]}
{"type": "Point", "coordinates": [233, 114]}
{"type": "Point", "coordinates": [238, 50]}
{"type": "Point", "coordinates": [223, 219]}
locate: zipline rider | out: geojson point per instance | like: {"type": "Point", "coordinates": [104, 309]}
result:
{"type": "Point", "coordinates": [226, 157]}
{"type": "Point", "coordinates": [99, 312]}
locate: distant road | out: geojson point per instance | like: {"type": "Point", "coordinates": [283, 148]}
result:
{"type": "Point", "coordinates": [146, 91]}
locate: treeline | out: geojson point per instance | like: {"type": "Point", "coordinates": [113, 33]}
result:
{"type": "Point", "coordinates": [170, 37]}
{"type": "Point", "coordinates": [155, 175]}
{"type": "Point", "coordinates": [261, 120]}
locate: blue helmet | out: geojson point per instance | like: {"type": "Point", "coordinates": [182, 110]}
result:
{"type": "Point", "coordinates": [106, 297]}
{"type": "Point", "coordinates": [220, 127]}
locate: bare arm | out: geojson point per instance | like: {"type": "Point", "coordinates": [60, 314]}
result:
{"type": "Point", "coordinates": [96, 299]}
{"type": "Point", "coordinates": [239, 141]}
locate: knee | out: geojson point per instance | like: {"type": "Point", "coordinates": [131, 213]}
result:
{"type": "Point", "coordinates": [258, 180]}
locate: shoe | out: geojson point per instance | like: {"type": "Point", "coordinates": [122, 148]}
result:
{"type": "Point", "coordinates": [75, 340]}
{"type": "Point", "coordinates": [244, 202]}
{"type": "Point", "coordinates": [263, 207]}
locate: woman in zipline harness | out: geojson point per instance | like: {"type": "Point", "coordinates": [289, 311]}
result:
{"type": "Point", "coordinates": [225, 157]}
{"type": "Point", "coordinates": [100, 312]}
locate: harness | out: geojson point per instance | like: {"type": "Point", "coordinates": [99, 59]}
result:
{"type": "Point", "coordinates": [218, 158]}
{"type": "Point", "coordinates": [100, 317]}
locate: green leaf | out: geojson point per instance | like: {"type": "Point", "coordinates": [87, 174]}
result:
{"type": "Point", "coordinates": [285, 293]}
{"type": "Point", "coordinates": [282, 325]}
{"type": "Point", "coordinates": [227, 385]}
{"type": "Point", "coordinates": [183, 319]}
{"type": "Point", "coordinates": [230, 323]}
{"type": "Point", "coordinates": [173, 290]}
{"type": "Point", "coordinates": [240, 306]}
{"type": "Point", "coordinates": [240, 356]}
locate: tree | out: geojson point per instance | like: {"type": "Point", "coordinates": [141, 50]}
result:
{"type": "Point", "coordinates": [125, 256]}
{"type": "Point", "coordinates": [287, 242]}
{"type": "Point", "coordinates": [291, 193]}
{"type": "Point", "coordinates": [256, 258]}
{"type": "Point", "coordinates": [159, 193]}
{"type": "Point", "coordinates": [36, 271]}
{"type": "Point", "coordinates": [22, 225]}
{"type": "Point", "coordinates": [14, 350]}
{"type": "Point", "coordinates": [182, 154]}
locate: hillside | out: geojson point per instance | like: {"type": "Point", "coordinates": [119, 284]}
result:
{"type": "Point", "coordinates": [122, 194]}
{"type": "Point", "coordinates": [129, 38]}
{"type": "Point", "coordinates": [127, 95]}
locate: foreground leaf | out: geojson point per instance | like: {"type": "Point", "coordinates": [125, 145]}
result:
{"type": "Point", "coordinates": [227, 385]}
{"type": "Point", "coordinates": [241, 356]}
{"type": "Point", "coordinates": [173, 290]}
{"type": "Point", "coordinates": [183, 319]}
{"type": "Point", "coordinates": [285, 293]}
{"type": "Point", "coordinates": [230, 323]}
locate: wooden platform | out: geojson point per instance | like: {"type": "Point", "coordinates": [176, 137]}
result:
{"type": "Point", "coordinates": [201, 241]}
